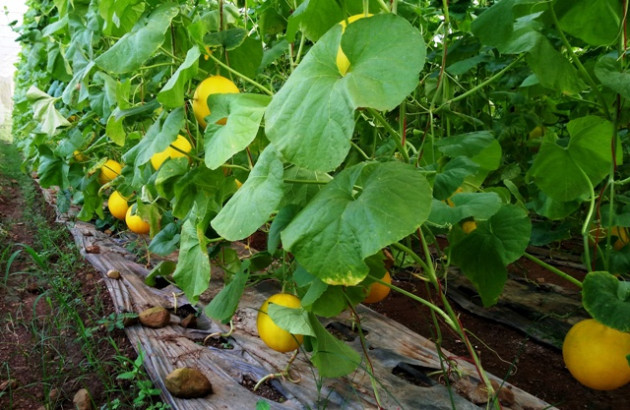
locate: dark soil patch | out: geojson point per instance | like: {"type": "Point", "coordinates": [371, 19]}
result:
{"type": "Point", "coordinates": [266, 389]}
{"type": "Point", "coordinates": [504, 351]}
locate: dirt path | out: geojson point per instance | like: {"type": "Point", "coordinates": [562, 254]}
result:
{"type": "Point", "coordinates": [52, 306]}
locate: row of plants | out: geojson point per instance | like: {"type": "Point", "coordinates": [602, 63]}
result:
{"type": "Point", "coordinates": [354, 134]}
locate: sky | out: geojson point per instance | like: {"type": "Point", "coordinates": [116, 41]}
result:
{"type": "Point", "coordinates": [8, 47]}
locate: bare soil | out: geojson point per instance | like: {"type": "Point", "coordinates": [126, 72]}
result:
{"type": "Point", "coordinates": [43, 360]}
{"type": "Point", "coordinates": [504, 351]}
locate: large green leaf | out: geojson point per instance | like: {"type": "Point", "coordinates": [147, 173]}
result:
{"type": "Point", "coordinates": [607, 299]}
{"type": "Point", "coordinates": [136, 47]}
{"type": "Point", "coordinates": [561, 172]}
{"type": "Point", "coordinates": [254, 202]}
{"type": "Point", "coordinates": [192, 274]}
{"type": "Point", "coordinates": [597, 22]}
{"type": "Point", "coordinates": [363, 209]}
{"type": "Point", "coordinates": [294, 321]}
{"type": "Point", "coordinates": [480, 205]}
{"type": "Point", "coordinates": [310, 120]}
{"type": "Point", "coordinates": [608, 71]}
{"type": "Point", "coordinates": [44, 111]}
{"type": "Point", "coordinates": [224, 304]}
{"type": "Point", "coordinates": [469, 144]}
{"type": "Point", "coordinates": [331, 356]}
{"type": "Point", "coordinates": [484, 253]}
{"type": "Point", "coordinates": [244, 113]}
{"type": "Point", "coordinates": [119, 16]}
{"type": "Point", "coordinates": [247, 57]}
{"type": "Point", "coordinates": [172, 94]}
{"type": "Point", "coordinates": [314, 18]}
{"type": "Point", "coordinates": [552, 69]}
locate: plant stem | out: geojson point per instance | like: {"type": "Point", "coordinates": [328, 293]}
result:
{"type": "Point", "coordinates": [370, 366]}
{"type": "Point", "coordinates": [480, 85]}
{"type": "Point", "coordinates": [577, 61]}
{"type": "Point", "coordinates": [234, 166]}
{"type": "Point", "coordinates": [553, 269]}
{"type": "Point", "coordinates": [363, 154]}
{"type": "Point", "coordinates": [397, 137]}
{"type": "Point", "coordinates": [418, 299]}
{"type": "Point", "coordinates": [244, 77]}
{"type": "Point", "coordinates": [587, 221]}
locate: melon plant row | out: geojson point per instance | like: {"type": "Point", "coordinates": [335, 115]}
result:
{"type": "Point", "coordinates": [352, 134]}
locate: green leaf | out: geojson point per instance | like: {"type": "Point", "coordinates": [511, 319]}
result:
{"type": "Point", "coordinates": [247, 57]}
{"type": "Point", "coordinates": [228, 39]}
{"type": "Point", "coordinates": [607, 300]}
{"type": "Point", "coordinates": [311, 121]}
{"type": "Point", "coordinates": [164, 269]}
{"type": "Point", "coordinates": [262, 405]}
{"type": "Point", "coordinates": [301, 193]}
{"type": "Point", "coordinates": [314, 18]}
{"type": "Point", "coordinates": [244, 113]}
{"type": "Point", "coordinates": [584, 19]}
{"type": "Point", "coordinates": [52, 171]}
{"type": "Point", "coordinates": [172, 94]}
{"type": "Point", "coordinates": [552, 69]}
{"type": "Point", "coordinates": [200, 188]}
{"type": "Point", "coordinates": [495, 25]}
{"type": "Point", "coordinates": [120, 15]}
{"type": "Point", "coordinates": [192, 274]}
{"type": "Point", "coordinates": [225, 303]}
{"type": "Point", "coordinates": [452, 176]}
{"type": "Point", "coordinates": [252, 205]}
{"type": "Point", "coordinates": [480, 260]}
{"type": "Point", "coordinates": [44, 111]}
{"type": "Point", "coordinates": [158, 137]}
{"type": "Point", "coordinates": [280, 221]}
{"type": "Point", "coordinates": [166, 241]}
{"type": "Point", "coordinates": [115, 129]}
{"type": "Point", "coordinates": [363, 209]}
{"type": "Point", "coordinates": [561, 172]}
{"type": "Point", "coordinates": [469, 144]}
{"type": "Point", "coordinates": [480, 205]}
{"type": "Point", "coordinates": [608, 71]}
{"type": "Point", "coordinates": [168, 176]}
{"type": "Point", "coordinates": [332, 357]}
{"type": "Point", "coordinates": [550, 208]}
{"type": "Point", "coordinates": [134, 48]}
{"type": "Point", "coordinates": [484, 253]}
{"type": "Point", "coordinates": [71, 88]}
{"type": "Point", "coordinates": [294, 321]}
{"type": "Point", "coordinates": [103, 100]}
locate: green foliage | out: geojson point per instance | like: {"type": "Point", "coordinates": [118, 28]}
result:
{"type": "Point", "coordinates": [499, 114]}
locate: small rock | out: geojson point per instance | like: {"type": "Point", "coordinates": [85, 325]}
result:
{"type": "Point", "coordinates": [92, 249]}
{"type": "Point", "coordinates": [113, 274]}
{"type": "Point", "coordinates": [188, 383]}
{"type": "Point", "coordinates": [189, 321]}
{"type": "Point", "coordinates": [89, 276]}
{"type": "Point", "coordinates": [9, 384]}
{"type": "Point", "coordinates": [155, 317]}
{"type": "Point", "coordinates": [82, 400]}
{"type": "Point", "coordinates": [53, 395]}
